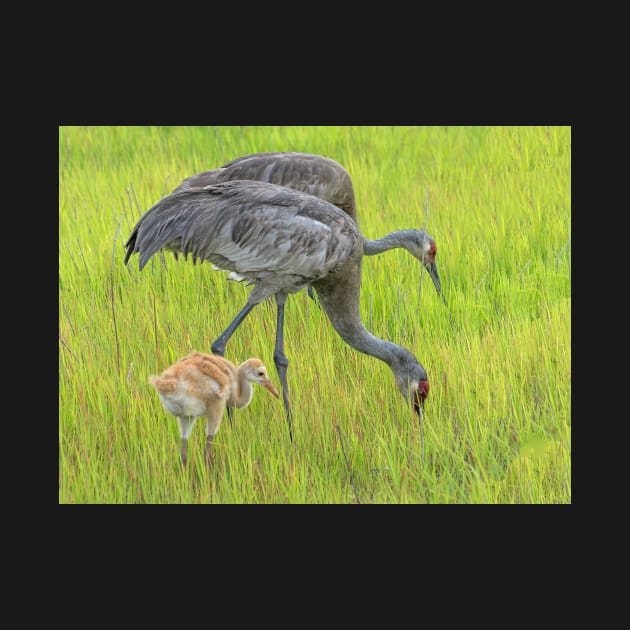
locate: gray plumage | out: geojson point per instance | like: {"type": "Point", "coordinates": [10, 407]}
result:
{"type": "Point", "coordinates": [275, 238]}
{"type": "Point", "coordinates": [313, 174]}
{"type": "Point", "coordinates": [324, 178]}
{"type": "Point", "coordinates": [279, 240]}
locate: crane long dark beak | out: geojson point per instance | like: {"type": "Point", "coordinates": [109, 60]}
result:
{"type": "Point", "coordinates": [419, 409]}
{"type": "Point", "coordinates": [433, 272]}
{"type": "Point", "coordinates": [419, 397]}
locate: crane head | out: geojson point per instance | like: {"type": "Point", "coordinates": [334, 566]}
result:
{"type": "Point", "coordinates": [420, 395]}
{"type": "Point", "coordinates": [412, 382]}
{"type": "Point", "coordinates": [428, 260]}
{"type": "Point", "coordinates": [422, 247]}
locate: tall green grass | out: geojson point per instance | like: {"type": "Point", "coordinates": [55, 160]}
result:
{"type": "Point", "coordinates": [497, 426]}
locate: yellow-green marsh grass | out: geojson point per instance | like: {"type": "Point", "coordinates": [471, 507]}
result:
{"type": "Point", "coordinates": [497, 426]}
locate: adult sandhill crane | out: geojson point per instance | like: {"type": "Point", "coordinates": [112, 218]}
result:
{"type": "Point", "coordinates": [279, 240]}
{"type": "Point", "coordinates": [202, 385]}
{"type": "Point", "coordinates": [323, 177]}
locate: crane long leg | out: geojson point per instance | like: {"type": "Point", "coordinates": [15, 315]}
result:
{"type": "Point", "coordinates": [218, 345]}
{"type": "Point", "coordinates": [282, 362]}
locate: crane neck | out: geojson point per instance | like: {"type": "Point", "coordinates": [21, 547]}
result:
{"type": "Point", "coordinates": [400, 238]}
{"type": "Point", "coordinates": [339, 299]}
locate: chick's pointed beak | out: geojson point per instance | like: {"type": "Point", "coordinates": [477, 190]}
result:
{"type": "Point", "coordinates": [433, 272]}
{"type": "Point", "coordinates": [267, 384]}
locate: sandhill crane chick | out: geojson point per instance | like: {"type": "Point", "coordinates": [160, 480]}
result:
{"type": "Point", "coordinates": [202, 385]}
